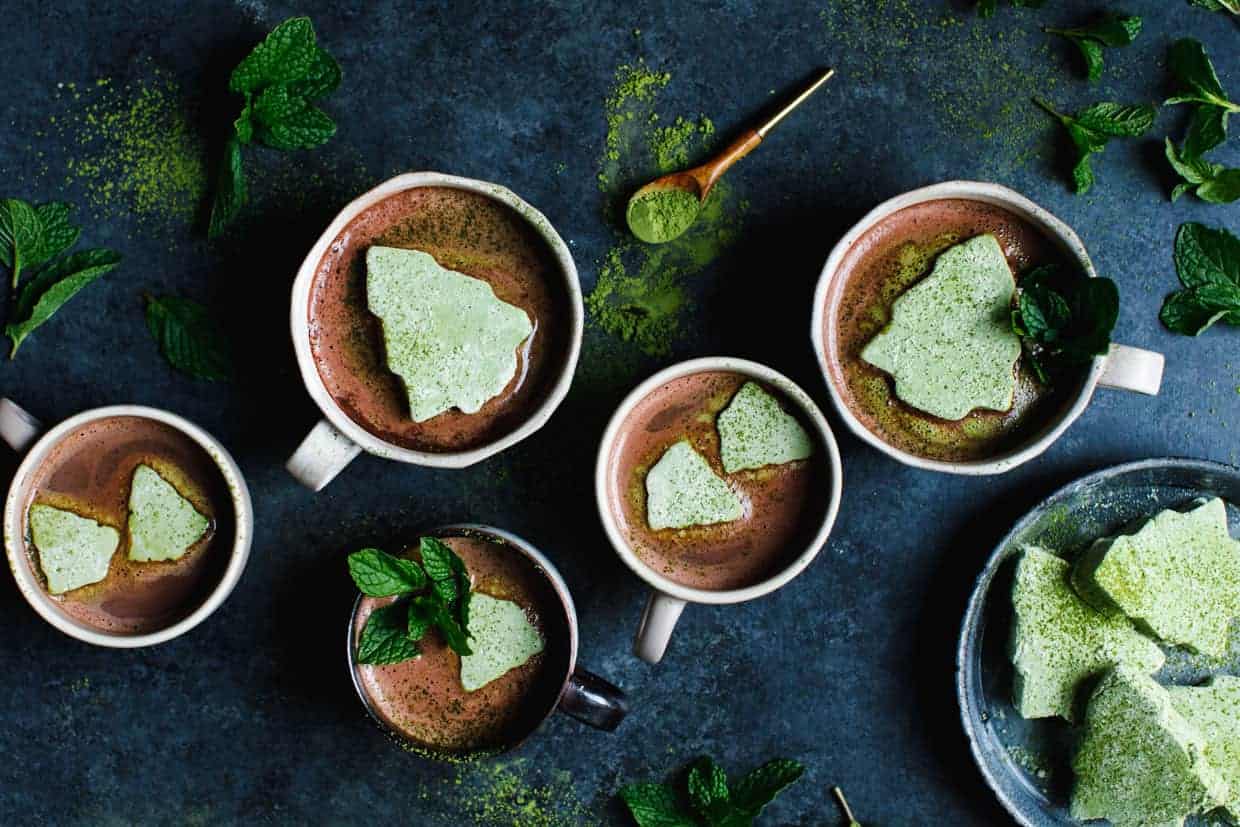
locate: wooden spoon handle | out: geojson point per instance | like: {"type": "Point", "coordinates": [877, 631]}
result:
{"type": "Point", "coordinates": [720, 164]}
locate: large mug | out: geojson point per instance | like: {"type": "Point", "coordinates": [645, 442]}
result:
{"type": "Point", "coordinates": [1124, 367]}
{"type": "Point", "coordinates": [338, 438]}
{"type": "Point", "coordinates": [667, 597]}
{"type": "Point", "coordinates": [25, 435]}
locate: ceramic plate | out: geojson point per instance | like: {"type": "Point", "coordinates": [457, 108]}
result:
{"type": "Point", "coordinates": [1026, 763]}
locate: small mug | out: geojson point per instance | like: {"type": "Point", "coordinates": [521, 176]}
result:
{"type": "Point", "coordinates": [1124, 367]}
{"type": "Point", "coordinates": [337, 438]}
{"type": "Point", "coordinates": [668, 598]}
{"type": "Point", "coordinates": [24, 434]}
{"type": "Point", "coordinates": [582, 694]}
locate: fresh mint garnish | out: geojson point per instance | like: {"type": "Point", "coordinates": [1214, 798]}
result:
{"type": "Point", "coordinates": [33, 240]}
{"type": "Point", "coordinates": [1092, 127]}
{"type": "Point", "coordinates": [1212, 182]}
{"type": "Point", "coordinates": [1207, 261]}
{"type": "Point", "coordinates": [31, 236]}
{"type": "Point", "coordinates": [190, 339]}
{"type": "Point", "coordinates": [1201, 87]}
{"type": "Point", "coordinates": [708, 798]}
{"type": "Point", "coordinates": [432, 593]}
{"type": "Point", "coordinates": [279, 81]}
{"type": "Point", "coordinates": [1064, 319]}
{"type": "Point", "coordinates": [1091, 39]}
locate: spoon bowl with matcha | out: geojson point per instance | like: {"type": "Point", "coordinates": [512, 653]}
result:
{"type": "Point", "coordinates": [664, 208]}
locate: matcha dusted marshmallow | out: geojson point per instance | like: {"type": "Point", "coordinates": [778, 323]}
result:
{"type": "Point", "coordinates": [163, 525]}
{"type": "Point", "coordinates": [683, 490]}
{"type": "Point", "coordinates": [503, 639]}
{"type": "Point", "coordinates": [755, 431]}
{"type": "Point", "coordinates": [1214, 708]}
{"type": "Point", "coordinates": [1179, 575]}
{"type": "Point", "coordinates": [1058, 641]}
{"type": "Point", "coordinates": [74, 551]}
{"type": "Point", "coordinates": [448, 337]}
{"type": "Point", "coordinates": [1139, 762]}
{"type": "Point", "coordinates": [950, 346]}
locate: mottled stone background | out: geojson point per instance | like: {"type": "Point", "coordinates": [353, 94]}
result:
{"type": "Point", "coordinates": [119, 106]}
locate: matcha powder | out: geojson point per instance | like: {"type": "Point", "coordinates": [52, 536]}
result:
{"type": "Point", "coordinates": [661, 215]}
{"type": "Point", "coordinates": [132, 147]}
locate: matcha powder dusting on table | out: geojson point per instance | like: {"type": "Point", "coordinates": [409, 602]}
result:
{"type": "Point", "coordinates": [132, 148]}
{"type": "Point", "coordinates": [642, 289]}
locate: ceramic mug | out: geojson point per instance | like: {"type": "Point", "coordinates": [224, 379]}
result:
{"type": "Point", "coordinates": [24, 434]}
{"type": "Point", "coordinates": [582, 694]}
{"type": "Point", "coordinates": [337, 438]}
{"type": "Point", "coordinates": [668, 598]}
{"type": "Point", "coordinates": [1125, 368]}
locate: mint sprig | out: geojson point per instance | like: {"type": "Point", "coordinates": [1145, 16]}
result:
{"type": "Point", "coordinates": [1093, 127]}
{"type": "Point", "coordinates": [1092, 38]}
{"type": "Point", "coordinates": [1207, 261]}
{"type": "Point", "coordinates": [432, 593]}
{"type": "Point", "coordinates": [279, 82]}
{"type": "Point", "coordinates": [1064, 319]}
{"type": "Point", "coordinates": [189, 337]}
{"type": "Point", "coordinates": [31, 236]}
{"type": "Point", "coordinates": [707, 798]}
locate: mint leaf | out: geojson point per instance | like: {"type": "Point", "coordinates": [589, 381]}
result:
{"type": "Point", "coordinates": [48, 291]}
{"type": "Point", "coordinates": [708, 791]}
{"type": "Point", "coordinates": [1092, 127]}
{"type": "Point", "coordinates": [1232, 6]}
{"type": "Point", "coordinates": [420, 621]}
{"type": "Point", "coordinates": [1223, 188]}
{"type": "Point", "coordinates": [759, 787]}
{"type": "Point", "coordinates": [59, 233]}
{"type": "Point", "coordinates": [21, 236]}
{"type": "Point", "coordinates": [1212, 182]}
{"type": "Point", "coordinates": [383, 639]}
{"type": "Point", "coordinates": [655, 805]}
{"type": "Point", "coordinates": [440, 615]}
{"type": "Point", "coordinates": [1064, 319]}
{"type": "Point", "coordinates": [444, 568]}
{"type": "Point", "coordinates": [1090, 39]}
{"type": "Point", "coordinates": [305, 129]}
{"type": "Point", "coordinates": [287, 54]}
{"type": "Point", "coordinates": [1207, 261]}
{"type": "Point", "coordinates": [1191, 66]}
{"type": "Point", "coordinates": [379, 574]}
{"type": "Point", "coordinates": [321, 79]}
{"type": "Point", "coordinates": [189, 337]}
{"type": "Point", "coordinates": [230, 189]}
{"type": "Point", "coordinates": [1207, 128]}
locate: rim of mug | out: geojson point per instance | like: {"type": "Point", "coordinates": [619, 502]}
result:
{"type": "Point", "coordinates": [988, 193]}
{"type": "Point", "coordinates": [41, 601]}
{"type": "Point", "coordinates": [300, 324]}
{"type": "Point", "coordinates": [789, 389]}
{"type": "Point", "coordinates": [570, 611]}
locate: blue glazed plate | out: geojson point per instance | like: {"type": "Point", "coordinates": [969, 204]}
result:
{"type": "Point", "coordinates": [1026, 763]}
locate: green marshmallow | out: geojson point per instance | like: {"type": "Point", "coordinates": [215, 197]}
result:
{"type": "Point", "coordinates": [1140, 762]}
{"type": "Point", "coordinates": [683, 490]}
{"type": "Point", "coordinates": [503, 639]}
{"type": "Point", "coordinates": [1214, 708]}
{"type": "Point", "coordinates": [1058, 641]}
{"type": "Point", "coordinates": [1179, 575]}
{"type": "Point", "coordinates": [451, 341]}
{"type": "Point", "coordinates": [163, 525]}
{"type": "Point", "coordinates": [950, 345]}
{"type": "Point", "coordinates": [74, 551]}
{"type": "Point", "coordinates": [755, 431]}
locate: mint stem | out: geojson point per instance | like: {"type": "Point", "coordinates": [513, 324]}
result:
{"type": "Point", "coordinates": [1049, 107]}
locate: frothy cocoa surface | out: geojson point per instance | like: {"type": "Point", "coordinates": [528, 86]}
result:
{"type": "Point", "coordinates": [784, 504]}
{"type": "Point", "coordinates": [89, 472]}
{"type": "Point", "coordinates": [884, 262]}
{"type": "Point", "coordinates": [466, 232]}
{"type": "Point", "coordinates": [423, 700]}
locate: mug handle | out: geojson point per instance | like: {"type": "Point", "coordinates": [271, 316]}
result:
{"type": "Point", "coordinates": [321, 456]}
{"type": "Point", "coordinates": [593, 701]}
{"type": "Point", "coordinates": [1133, 369]}
{"type": "Point", "coordinates": [658, 622]}
{"type": "Point", "coordinates": [18, 428]}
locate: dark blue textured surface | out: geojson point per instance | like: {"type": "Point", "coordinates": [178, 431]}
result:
{"type": "Point", "coordinates": [251, 717]}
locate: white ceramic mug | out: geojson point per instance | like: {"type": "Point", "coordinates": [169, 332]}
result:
{"type": "Point", "coordinates": [23, 433]}
{"type": "Point", "coordinates": [337, 439]}
{"type": "Point", "coordinates": [668, 598]}
{"type": "Point", "coordinates": [1126, 368]}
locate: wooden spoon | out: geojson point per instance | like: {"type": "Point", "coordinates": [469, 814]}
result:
{"type": "Point", "coordinates": [699, 180]}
